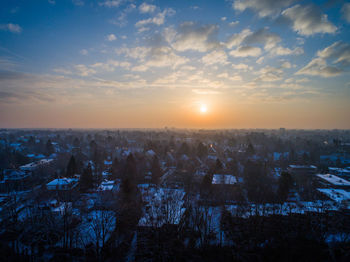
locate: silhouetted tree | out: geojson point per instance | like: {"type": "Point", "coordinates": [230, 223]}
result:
{"type": "Point", "coordinates": [71, 167]}
{"type": "Point", "coordinates": [285, 183]}
{"type": "Point", "coordinates": [115, 168]}
{"type": "Point", "coordinates": [156, 170]}
{"type": "Point", "coordinates": [86, 180]}
{"type": "Point", "coordinates": [49, 148]}
{"type": "Point", "coordinates": [250, 149]}
{"type": "Point", "coordinates": [202, 150]}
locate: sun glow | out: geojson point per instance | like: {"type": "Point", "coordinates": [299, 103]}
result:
{"type": "Point", "coordinates": [203, 109]}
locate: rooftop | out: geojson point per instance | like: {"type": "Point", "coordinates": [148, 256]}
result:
{"type": "Point", "coordinates": [334, 180]}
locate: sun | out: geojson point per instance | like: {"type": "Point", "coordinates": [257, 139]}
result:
{"type": "Point", "coordinates": [203, 109]}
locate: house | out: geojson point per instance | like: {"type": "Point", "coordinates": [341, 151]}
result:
{"type": "Point", "coordinates": [15, 180]}
{"type": "Point", "coordinates": [62, 184]}
{"type": "Point", "coordinates": [219, 179]}
{"type": "Point", "coordinates": [34, 165]}
{"type": "Point", "coordinates": [302, 169]}
{"type": "Point", "coordinates": [333, 181]}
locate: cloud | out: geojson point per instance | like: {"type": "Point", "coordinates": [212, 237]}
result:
{"type": "Point", "coordinates": [241, 67]}
{"type": "Point", "coordinates": [346, 12]}
{"type": "Point", "coordinates": [160, 57]}
{"type": "Point", "coordinates": [158, 19]}
{"type": "Point", "coordinates": [215, 57]}
{"type": "Point", "coordinates": [263, 36]}
{"type": "Point", "coordinates": [205, 91]}
{"type": "Point", "coordinates": [286, 64]}
{"type": "Point", "coordinates": [111, 37]}
{"type": "Point", "coordinates": [13, 28]}
{"type": "Point", "coordinates": [7, 64]}
{"type": "Point", "coordinates": [224, 18]}
{"type": "Point", "coordinates": [339, 55]}
{"type": "Point", "coordinates": [147, 8]}
{"type": "Point", "coordinates": [245, 51]}
{"type": "Point", "coordinates": [237, 39]}
{"type": "Point", "coordinates": [282, 51]}
{"type": "Point", "coordinates": [139, 52]}
{"type": "Point", "coordinates": [319, 67]}
{"type": "Point", "coordinates": [262, 7]}
{"type": "Point", "coordinates": [83, 70]}
{"type": "Point", "coordinates": [270, 74]}
{"type": "Point", "coordinates": [229, 77]}
{"type": "Point", "coordinates": [308, 20]}
{"type": "Point", "coordinates": [121, 20]}
{"type": "Point", "coordinates": [84, 52]}
{"type": "Point", "coordinates": [192, 36]}
{"type": "Point", "coordinates": [78, 2]}
{"type": "Point", "coordinates": [52, 2]}
{"type": "Point", "coordinates": [111, 3]}
{"type": "Point", "coordinates": [339, 52]}
{"type": "Point", "coordinates": [234, 23]}
{"type": "Point", "coordinates": [63, 71]}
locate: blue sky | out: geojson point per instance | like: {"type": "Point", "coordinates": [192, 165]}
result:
{"type": "Point", "coordinates": [253, 63]}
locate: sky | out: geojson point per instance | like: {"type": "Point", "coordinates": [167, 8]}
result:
{"type": "Point", "coordinates": [177, 63]}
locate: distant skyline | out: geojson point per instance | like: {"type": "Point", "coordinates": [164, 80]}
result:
{"type": "Point", "coordinates": [185, 64]}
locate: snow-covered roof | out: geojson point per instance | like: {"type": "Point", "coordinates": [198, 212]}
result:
{"type": "Point", "coordinates": [303, 166]}
{"type": "Point", "coordinates": [108, 162]}
{"type": "Point", "coordinates": [219, 179]}
{"type": "Point", "coordinates": [334, 180]}
{"type": "Point", "coordinates": [106, 185]}
{"type": "Point", "coordinates": [337, 195]}
{"type": "Point", "coordinates": [61, 182]}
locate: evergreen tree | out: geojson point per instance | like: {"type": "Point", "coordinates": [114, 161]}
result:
{"type": "Point", "coordinates": [285, 183]}
{"type": "Point", "coordinates": [49, 148]}
{"type": "Point", "coordinates": [71, 167]}
{"type": "Point", "coordinates": [218, 166]}
{"type": "Point", "coordinates": [86, 180]}
{"type": "Point", "coordinates": [115, 168]}
{"type": "Point", "coordinates": [250, 149]}
{"type": "Point", "coordinates": [156, 171]}
{"type": "Point", "coordinates": [202, 150]}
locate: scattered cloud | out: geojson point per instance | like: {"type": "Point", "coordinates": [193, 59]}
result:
{"type": "Point", "coordinates": [159, 57]}
{"type": "Point", "coordinates": [242, 67]}
{"type": "Point", "coordinates": [245, 51]}
{"type": "Point", "coordinates": [262, 7]}
{"type": "Point", "coordinates": [230, 77]}
{"type": "Point", "coordinates": [121, 20]}
{"type": "Point", "coordinates": [339, 55]}
{"type": "Point", "coordinates": [111, 37]}
{"type": "Point", "coordinates": [13, 28]}
{"type": "Point", "coordinates": [78, 2]}
{"type": "Point", "coordinates": [237, 39]}
{"type": "Point", "coordinates": [215, 57]}
{"type": "Point", "coordinates": [282, 51]}
{"type": "Point", "coordinates": [192, 36]}
{"type": "Point", "coordinates": [264, 37]}
{"type": "Point", "coordinates": [52, 2]}
{"type": "Point", "coordinates": [346, 12]}
{"type": "Point", "coordinates": [147, 8]}
{"type": "Point", "coordinates": [84, 52]}
{"type": "Point", "coordinates": [111, 3]}
{"type": "Point", "coordinates": [83, 70]}
{"type": "Point", "coordinates": [319, 67]}
{"type": "Point", "coordinates": [308, 20]}
{"type": "Point", "coordinates": [234, 23]}
{"type": "Point", "coordinates": [339, 52]}
{"type": "Point", "coordinates": [270, 74]}
{"type": "Point", "coordinates": [158, 19]}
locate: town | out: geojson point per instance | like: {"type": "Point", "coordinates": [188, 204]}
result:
{"type": "Point", "coordinates": [174, 194]}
